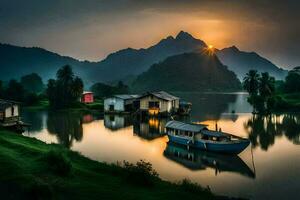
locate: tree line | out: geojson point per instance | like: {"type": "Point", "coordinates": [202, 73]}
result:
{"type": "Point", "coordinates": [265, 93]}
{"type": "Point", "coordinates": [28, 90]}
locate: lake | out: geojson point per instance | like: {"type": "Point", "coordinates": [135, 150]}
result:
{"type": "Point", "coordinates": [268, 169]}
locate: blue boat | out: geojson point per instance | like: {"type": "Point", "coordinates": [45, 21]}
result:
{"type": "Point", "coordinates": [198, 136]}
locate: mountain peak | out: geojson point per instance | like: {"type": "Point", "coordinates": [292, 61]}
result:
{"type": "Point", "coordinates": [234, 48]}
{"type": "Point", "coordinates": [184, 35]}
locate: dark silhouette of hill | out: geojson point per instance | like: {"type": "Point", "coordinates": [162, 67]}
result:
{"type": "Point", "coordinates": [188, 72]}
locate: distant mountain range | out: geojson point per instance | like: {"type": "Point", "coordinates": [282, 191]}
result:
{"type": "Point", "coordinates": [241, 62]}
{"type": "Point", "coordinates": [188, 72]}
{"type": "Point", "coordinates": [17, 61]}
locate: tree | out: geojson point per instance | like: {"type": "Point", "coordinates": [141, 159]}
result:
{"type": "Point", "coordinates": [77, 88]}
{"type": "Point", "coordinates": [261, 90]}
{"type": "Point", "coordinates": [1, 89]}
{"type": "Point", "coordinates": [51, 92]}
{"type": "Point", "coordinates": [292, 81]}
{"type": "Point", "coordinates": [65, 90]}
{"type": "Point", "coordinates": [266, 85]}
{"type": "Point", "coordinates": [32, 83]}
{"type": "Point", "coordinates": [251, 82]}
{"type": "Point", "coordinates": [14, 91]}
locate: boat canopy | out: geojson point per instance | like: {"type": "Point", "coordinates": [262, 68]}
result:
{"type": "Point", "coordinates": [185, 127]}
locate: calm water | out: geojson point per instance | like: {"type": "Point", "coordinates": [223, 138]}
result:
{"type": "Point", "coordinates": [268, 170]}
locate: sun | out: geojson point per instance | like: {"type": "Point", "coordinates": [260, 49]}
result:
{"type": "Point", "coordinates": [209, 50]}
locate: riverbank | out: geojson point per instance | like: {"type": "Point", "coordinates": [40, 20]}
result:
{"type": "Point", "coordinates": [44, 105]}
{"type": "Point", "coordinates": [33, 169]}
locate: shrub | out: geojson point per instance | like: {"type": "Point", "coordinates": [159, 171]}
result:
{"type": "Point", "coordinates": [189, 186]}
{"type": "Point", "coordinates": [39, 190]}
{"type": "Point", "coordinates": [141, 173]}
{"type": "Point", "coordinates": [58, 163]}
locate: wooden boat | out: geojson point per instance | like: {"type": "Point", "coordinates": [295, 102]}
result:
{"type": "Point", "coordinates": [198, 136]}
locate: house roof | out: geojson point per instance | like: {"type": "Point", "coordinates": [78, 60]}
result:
{"type": "Point", "coordinates": [87, 92]}
{"type": "Point", "coordinates": [126, 96]}
{"type": "Point", "coordinates": [161, 95]}
{"type": "Point", "coordinates": [185, 126]}
{"type": "Point", "coordinates": [5, 103]}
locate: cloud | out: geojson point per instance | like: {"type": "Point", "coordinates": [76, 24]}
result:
{"type": "Point", "coordinates": [92, 29]}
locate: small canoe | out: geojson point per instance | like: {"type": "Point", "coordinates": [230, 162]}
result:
{"type": "Point", "coordinates": [198, 136]}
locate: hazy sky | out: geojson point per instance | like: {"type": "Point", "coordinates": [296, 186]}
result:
{"type": "Point", "coordinates": [91, 29]}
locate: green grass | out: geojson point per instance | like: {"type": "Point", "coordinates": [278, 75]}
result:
{"type": "Point", "coordinates": [33, 169]}
{"type": "Point", "coordinates": [98, 105]}
{"type": "Point", "coordinates": [288, 102]}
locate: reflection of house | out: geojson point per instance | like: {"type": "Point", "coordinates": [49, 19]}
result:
{"type": "Point", "coordinates": [151, 128]}
{"type": "Point", "coordinates": [87, 97]}
{"type": "Point", "coordinates": [115, 122]}
{"type": "Point", "coordinates": [155, 103]}
{"type": "Point", "coordinates": [120, 103]}
{"type": "Point", "coordinates": [9, 113]}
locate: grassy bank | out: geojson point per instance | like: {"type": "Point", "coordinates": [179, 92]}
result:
{"type": "Point", "coordinates": [287, 102]}
{"type": "Point", "coordinates": [30, 168]}
{"type": "Point", "coordinates": [98, 105]}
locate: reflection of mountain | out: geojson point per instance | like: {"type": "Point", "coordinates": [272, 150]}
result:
{"type": "Point", "coordinates": [263, 130]}
{"type": "Point", "coordinates": [66, 126]}
{"type": "Point", "coordinates": [200, 160]}
{"type": "Point", "coordinates": [208, 106]}
{"type": "Point", "coordinates": [115, 122]}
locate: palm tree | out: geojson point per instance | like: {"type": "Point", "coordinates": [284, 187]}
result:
{"type": "Point", "coordinates": [267, 85]}
{"type": "Point", "coordinates": [65, 75]}
{"type": "Point", "coordinates": [77, 88]}
{"type": "Point", "coordinates": [251, 82]}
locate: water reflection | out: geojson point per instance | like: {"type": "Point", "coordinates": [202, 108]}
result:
{"type": "Point", "coordinates": [116, 122]}
{"type": "Point", "coordinates": [263, 130]}
{"type": "Point", "coordinates": [201, 160]}
{"type": "Point", "coordinates": [66, 126]}
{"type": "Point", "coordinates": [35, 119]}
{"type": "Point", "coordinates": [147, 128]}
{"type": "Point", "coordinates": [210, 106]}
{"type": "Point", "coordinates": [150, 128]}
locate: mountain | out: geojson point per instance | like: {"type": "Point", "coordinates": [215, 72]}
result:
{"type": "Point", "coordinates": [128, 62]}
{"type": "Point", "coordinates": [18, 61]}
{"type": "Point", "coordinates": [241, 62]}
{"type": "Point", "coordinates": [125, 64]}
{"type": "Point", "coordinates": [187, 72]}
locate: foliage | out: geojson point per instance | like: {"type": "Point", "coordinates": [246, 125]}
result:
{"type": "Point", "coordinates": [189, 186]}
{"type": "Point", "coordinates": [32, 83]}
{"type": "Point", "coordinates": [103, 90]}
{"type": "Point", "coordinates": [251, 82]}
{"type": "Point", "coordinates": [65, 90]}
{"type": "Point", "coordinates": [261, 89]}
{"type": "Point", "coordinates": [140, 173]}
{"type": "Point", "coordinates": [14, 91]}
{"type": "Point", "coordinates": [292, 81]}
{"type": "Point", "coordinates": [58, 163]}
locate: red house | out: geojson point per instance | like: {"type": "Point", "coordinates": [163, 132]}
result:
{"type": "Point", "coordinates": [87, 97]}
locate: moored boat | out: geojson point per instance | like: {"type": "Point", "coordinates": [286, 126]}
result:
{"type": "Point", "coordinates": [198, 136]}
